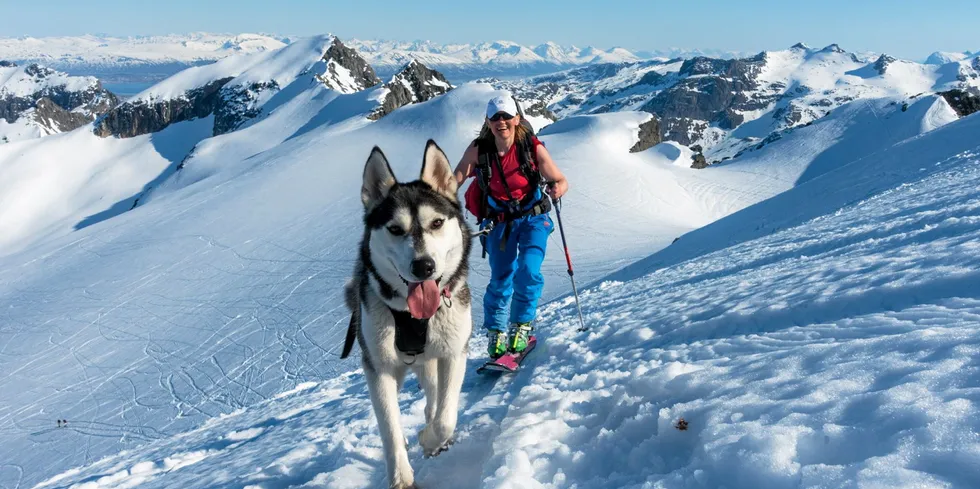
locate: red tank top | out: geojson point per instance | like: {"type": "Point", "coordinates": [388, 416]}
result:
{"type": "Point", "coordinates": [516, 181]}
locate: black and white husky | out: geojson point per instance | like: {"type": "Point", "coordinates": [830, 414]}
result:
{"type": "Point", "coordinates": [409, 301]}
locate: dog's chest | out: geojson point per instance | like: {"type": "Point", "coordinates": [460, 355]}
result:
{"type": "Point", "coordinates": [446, 333]}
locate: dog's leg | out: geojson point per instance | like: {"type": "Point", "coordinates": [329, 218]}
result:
{"type": "Point", "coordinates": [429, 379]}
{"type": "Point", "coordinates": [436, 435]}
{"type": "Point", "coordinates": [383, 387]}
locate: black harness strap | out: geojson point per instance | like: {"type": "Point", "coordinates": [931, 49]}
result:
{"type": "Point", "coordinates": [351, 334]}
{"type": "Point", "coordinates": [410, 333]}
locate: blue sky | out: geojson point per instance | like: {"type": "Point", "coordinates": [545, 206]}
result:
{"type": "Point", "coordinates": [905, 29]}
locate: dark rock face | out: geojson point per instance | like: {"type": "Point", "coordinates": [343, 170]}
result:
{"type": "Point", "coordinates": [7, 64]}
{"type": "Point", "coordinates": [415, 83]}
{"type": "Point", "coordinates": [715, 91]}
{"type": "Point", "coordinates": [698, 161]}
{"type": "Point", "coordinates": [137, 118]}
{"type": "Point", "coordinates": [651, 78]}
{"type": "Point", "coordinates": [236, 105]}
{"type": "Point", "coordinates": [57, 108]}
{"type": "Point", "coordinates": [361, 72]}
{"type": "Point", "coordinates": [649, 136]}
{"type": "Point", "coordinates": [12, 107]}
{"type": "Point", "coordinates": [881, 65]}
{"type": "Point", "coordinates": [976, 63]}
{"type": "Point", "coordinates": [54, 117]}
{"type": "Point", "coordinates": [964, 102]}
{"type": "Point", "coordinates": [539, 109]}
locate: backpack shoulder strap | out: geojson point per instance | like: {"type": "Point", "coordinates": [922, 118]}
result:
{"type": "Point", "coordinates": [483, 165]}
{"type": "Point", "coordinates": [527, 160]}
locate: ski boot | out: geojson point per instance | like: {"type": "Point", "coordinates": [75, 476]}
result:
{"type": "Point", "coordinates": [497, 344]}
{"type": "Point", "coordinates": [519, 335]}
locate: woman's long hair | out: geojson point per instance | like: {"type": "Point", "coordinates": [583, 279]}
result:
{"type": "Point", "coordinates": [520, 132]}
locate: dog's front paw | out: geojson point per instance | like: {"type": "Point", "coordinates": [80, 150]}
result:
{"type": "Point", "coordinates": [405, 481]}
{"type": "Point", "coordinates": [434, 441]}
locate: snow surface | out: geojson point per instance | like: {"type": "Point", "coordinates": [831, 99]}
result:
{"type": "Point", "coordinates": [223, 288]}
{"type": "Point", "coordinates": [281, 66]}
{"type": "Point", "coordinates": [825, 336]}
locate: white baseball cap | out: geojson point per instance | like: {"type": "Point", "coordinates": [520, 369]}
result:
{"type": "Point", "coordinates": [502, 103]}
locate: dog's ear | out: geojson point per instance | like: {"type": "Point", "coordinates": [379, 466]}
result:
{"type": "Point", "coordinates": [378, 179]}
{"type": "Point", "coordinates": [436, 171]}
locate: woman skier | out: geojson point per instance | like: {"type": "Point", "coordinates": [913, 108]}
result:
{"type": "Point", "coordinates": [515, 210]}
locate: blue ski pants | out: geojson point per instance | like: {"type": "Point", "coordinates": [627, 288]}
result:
{"type": "Point", "coordinates": [515, 271]}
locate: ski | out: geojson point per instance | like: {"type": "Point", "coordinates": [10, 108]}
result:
{"type": "Point", "coordinates": [509, 362]}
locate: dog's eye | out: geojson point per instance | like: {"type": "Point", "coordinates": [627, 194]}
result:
{"type": "Point", "coordinates": [396, 230]}
{"type": "Point", "coordinates": [437, 223]}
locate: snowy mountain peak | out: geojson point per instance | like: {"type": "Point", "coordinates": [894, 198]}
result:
{"type": "Point", "coordinates": [415, 83]}
{"type": "Point", "coordinates": [833, 48]}
{"type": "Point", "coordinates": [882, 63]}
{"type": "Point", "coordinates": [800, 46]}
{"type": "Point", "coordinates": [347, 71]}
{"type": "Point", "coordinates": [941, 58]}
{"type": "Point", "coordinates": [553, 52]}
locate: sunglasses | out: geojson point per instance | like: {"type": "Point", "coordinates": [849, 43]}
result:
{"type": "Point", "coordinates": [501, 116]}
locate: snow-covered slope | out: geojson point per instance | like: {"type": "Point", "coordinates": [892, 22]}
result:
{"type": "Point", "coordinates": [824, 338]}
{"type": "Point", "coordinates": [223, 288]}
{"type": "Point", "coordinates": [292, 86]}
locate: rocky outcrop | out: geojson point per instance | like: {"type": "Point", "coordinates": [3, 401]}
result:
{"type": "Point", "coordinates": [698, 162]}
{"type": "Point", "coordinates": [539, 109]}
{"type": "Point", "coordinates": [964, 102]}
{"type": "Point", "coordinates": [55, 118]}
{"type": "Point", "coordinates": [239, 104]}
{"type": "Point", "coordinates": [713, 91]}
{"type": "Point", "coordinates": [346, 71]}
{"type": "Point", "coordinates": [976, 63]}
{"type": "Point", "coordinates": [415, 83]}
{"type": "Point", "coordinates": [881, 64]}
{"type": "Point", "coordinates": [649, 136]}
{"type": "Point", "coordinates": [144, 117]}
{"type": "Point", "coordinates": [7, 64]}
{"type": "Point", "coordinates": [52, 99]}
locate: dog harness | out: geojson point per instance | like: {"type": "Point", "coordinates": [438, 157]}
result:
{"type": "Point", "coordinates": [411, 334]}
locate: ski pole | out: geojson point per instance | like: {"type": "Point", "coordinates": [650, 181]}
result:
{"type": "Point", "coordinates": [568, 259]}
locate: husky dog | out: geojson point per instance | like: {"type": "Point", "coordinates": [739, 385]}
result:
{"type": "Point", "coordinates": [409, 301]}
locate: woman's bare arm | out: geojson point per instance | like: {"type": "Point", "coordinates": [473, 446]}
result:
{"type": "Point", "coordinates": [549, 171]}
{"type": "Point", "coordinates": [466, 164]}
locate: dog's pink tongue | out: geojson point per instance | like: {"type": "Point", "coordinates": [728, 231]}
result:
{"type": "Point", "coordinates": [423, 299]}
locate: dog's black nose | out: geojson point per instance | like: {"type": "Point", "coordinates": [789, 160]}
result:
{"type": "Point", "coordinates": [423, 268]}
